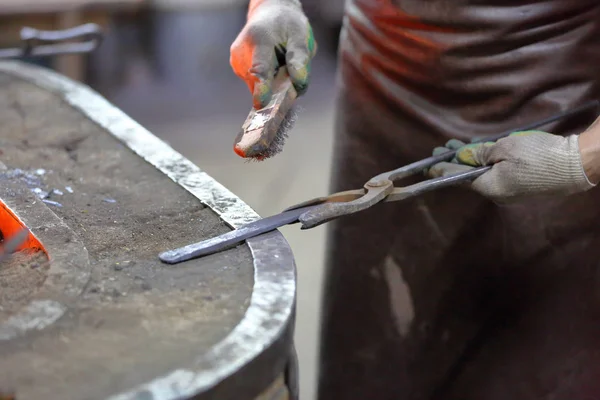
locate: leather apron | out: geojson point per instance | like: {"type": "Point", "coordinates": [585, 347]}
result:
{"type": "Point", "coordinates": [449, 296]}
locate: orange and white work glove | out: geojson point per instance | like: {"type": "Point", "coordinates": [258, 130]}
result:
{"type": "Point", "coordinates": [524, 164]}
{"type": "Point", "coordinates": [276, 32]}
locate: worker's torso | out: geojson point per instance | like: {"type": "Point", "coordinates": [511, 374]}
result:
{"type": "Point", "coordinates": [475, 60]}
{"type": "Point", "coordinates": [448, 296]}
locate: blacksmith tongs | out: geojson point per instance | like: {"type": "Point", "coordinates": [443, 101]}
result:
{"type": "Point", "coordinates": [39, 43]}
{"type": "Point", "coordinates": [378, 189]}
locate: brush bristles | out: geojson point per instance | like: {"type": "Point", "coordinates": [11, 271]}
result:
{"type": "Point", "coordinates": [278, 142]}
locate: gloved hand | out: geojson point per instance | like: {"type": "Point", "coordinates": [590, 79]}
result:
{"type": "Point", "coordinates": [276, 31]}
{"type": "Point", "coordinates": [524, 164]}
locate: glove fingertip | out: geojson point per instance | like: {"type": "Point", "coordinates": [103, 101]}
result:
{"type": "Point", "coordinates": [299, 76]}
{"type": "Point", "coordinates": [445, 169]}
{"type": "Point", "coordinates": [454, 144]}
{"type": "Point", "coordinates": [300, 51]}
{"type": "Point", "coordinates": [439, 150]}
{"type": "Point", "coordinates": [262, 94]}
{"type": "Point", "coordinates": [435, 171]}
{"type": "Point", "coordinates": [474, 154]}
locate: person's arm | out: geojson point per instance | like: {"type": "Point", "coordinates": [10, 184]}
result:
{"type": "Point", "coordinates": [589, 146]}
{"type": "Point", "coordinates": [273, 28]}
{"type": "Point", "coordinates": [527, 164]}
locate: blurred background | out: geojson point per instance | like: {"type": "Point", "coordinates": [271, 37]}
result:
{"type": "Point", "coordinates": [166, 64]}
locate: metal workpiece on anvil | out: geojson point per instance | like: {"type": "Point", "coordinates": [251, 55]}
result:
{"type": "Point", "coordinates": [90, 311]}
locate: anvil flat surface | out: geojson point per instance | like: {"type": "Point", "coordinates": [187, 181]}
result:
{"type": "Point", "coordinates": [128, 319]}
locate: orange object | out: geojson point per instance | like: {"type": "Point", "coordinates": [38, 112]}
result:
{"type": "Point", "coordinates": [239, 151]}
{"type": "Point", "coordinates": [10, 225]}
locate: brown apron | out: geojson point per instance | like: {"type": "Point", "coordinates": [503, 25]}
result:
{"type": "Point", "coordinates": [449, 296]}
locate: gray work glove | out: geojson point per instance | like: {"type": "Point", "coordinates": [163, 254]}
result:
{"type": "Point", "coordinates": [274, 29]}
{"type": "Point", "coordinates": [525, 164]}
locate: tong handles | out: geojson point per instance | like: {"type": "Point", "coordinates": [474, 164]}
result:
{"type": "Point", "coordinates": [429, 185]}
{"type": "Point", "coordinates": [49, 43]}
{"type": "Point", "coordinates": [419, 166]}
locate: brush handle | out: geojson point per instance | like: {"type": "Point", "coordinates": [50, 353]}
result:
{"type": "Point", "coordinates": [282, 86]}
